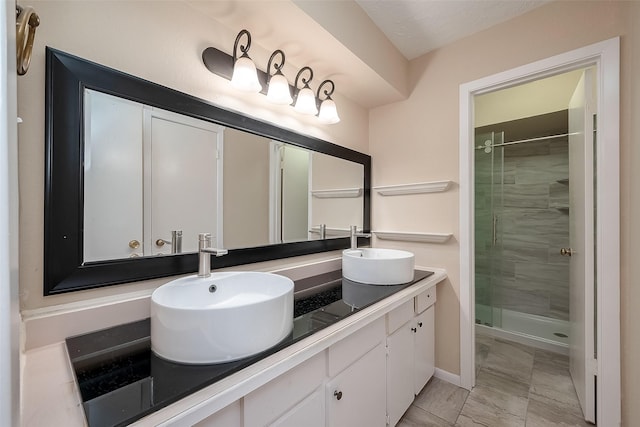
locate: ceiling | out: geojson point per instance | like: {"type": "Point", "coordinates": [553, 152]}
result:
{"type": "Point", "coordinates": [416, 27]}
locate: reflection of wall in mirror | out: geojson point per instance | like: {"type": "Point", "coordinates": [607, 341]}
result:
{"type": "Point", "coordinates": [246, 190]}
{"type": "Point", "coordinates": [337, 213]}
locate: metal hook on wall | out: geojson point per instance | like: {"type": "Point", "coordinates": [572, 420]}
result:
{"type": "Point", "coordinates": [26, 22]}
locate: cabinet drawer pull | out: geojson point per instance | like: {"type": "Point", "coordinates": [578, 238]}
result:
{"type": "Point", "coordinates": [414, 329]}
{"type": "Point", "coordinates": [337, 394]}
{"type": "Point", "coordinates": [420, 324]}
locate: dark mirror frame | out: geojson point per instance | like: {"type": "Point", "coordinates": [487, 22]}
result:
{"type": "Point", "coordinates": [64, 270]}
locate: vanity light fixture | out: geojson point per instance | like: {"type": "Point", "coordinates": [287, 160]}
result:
{"type": "Point", "coordinates": [328, 112]}
{"type": "Point", "coordinates": [278, 90]}
{"type": "Point", "coordinates": [305, 102]}
{"type": "Point", "coordinates": [245, 75]}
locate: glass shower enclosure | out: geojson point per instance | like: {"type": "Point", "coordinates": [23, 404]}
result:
{"type": "Point", "coordinates": [521, 221]}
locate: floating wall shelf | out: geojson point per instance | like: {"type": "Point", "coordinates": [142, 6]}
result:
{"type": "Point", "coordinates": [413, 236]}
{"type": "Point", "coordinates": [337, 193]}
{"type": "Point", "coordinates": [417, 188]}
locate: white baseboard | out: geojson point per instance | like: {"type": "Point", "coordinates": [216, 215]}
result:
{"type": "Point", "coordinates": [448, 377]}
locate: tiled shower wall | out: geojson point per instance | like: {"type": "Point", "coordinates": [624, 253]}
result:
{"type": "Point", "coordinates": [524, 271]}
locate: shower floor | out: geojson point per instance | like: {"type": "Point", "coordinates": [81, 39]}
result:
{"type": "Point", "coordinates": [529, 329]}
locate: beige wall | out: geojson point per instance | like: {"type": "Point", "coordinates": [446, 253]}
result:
{"type": "Point", "coordinates": [160, 41]}
{"type": "Point", "coordinates": [417, 140]}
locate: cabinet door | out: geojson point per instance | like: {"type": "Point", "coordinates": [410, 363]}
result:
{"type": "Point", "coordinates": [400, 371]}
{"type": "Point", "coordinates": [356, 397]}
{"type": "Point", "coordinates": [424, 340]}
{"type": "Point", "coordinates": [308, 413]}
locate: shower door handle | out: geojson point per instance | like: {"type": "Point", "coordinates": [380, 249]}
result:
{"type": "Point", "coordinates": [566, 251]}
{"type": "Point", "coordinates": [494, 231]}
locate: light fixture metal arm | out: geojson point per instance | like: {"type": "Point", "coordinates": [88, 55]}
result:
{"type": "Point", "coordinates": [327, 93]}
{"type": "Point", "coordinates": [303, 80]}
{"type": "Point", "coordinates": [276, 66]}
{"type": "Point", "coordinates": [244, 49]}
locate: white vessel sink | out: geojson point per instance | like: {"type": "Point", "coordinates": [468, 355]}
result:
{"type": "Point", "coordinates": [221, 318]}
{"type": "Point", "coordinates": [376, 266]}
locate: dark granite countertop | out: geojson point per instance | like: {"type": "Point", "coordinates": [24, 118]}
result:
{"type": "Point", "coordinates": [121, 380]}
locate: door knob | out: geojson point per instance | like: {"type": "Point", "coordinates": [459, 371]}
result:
{"type": "Point", "coordinates": [134, 244]}
{"type": "Point", "coordinates": [566, 251]}
{"type": "Point", "coordinates": [337, 394]}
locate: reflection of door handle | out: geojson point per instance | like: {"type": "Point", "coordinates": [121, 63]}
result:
{"type": "Point", "coordinates": [134, 244]}
{"type": "Point", "coordinates": [566, 251]}
{"type": "Point", "coordinates": [175, 242]}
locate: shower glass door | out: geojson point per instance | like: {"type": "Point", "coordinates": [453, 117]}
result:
{"type": "Point", "coordinates": [489, 195]}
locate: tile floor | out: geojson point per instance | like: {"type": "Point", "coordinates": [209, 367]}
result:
{"type": "Point", "coordinates": [516, 386]}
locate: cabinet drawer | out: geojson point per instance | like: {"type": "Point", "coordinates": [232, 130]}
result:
{"type": "Point", "coordinates": [228, 417]}
{"type": "Point", "coordinates": [273, 399]}
{"type": "Point", "coordinates": [425, 300]}
{"type": "Point", "coordinates": [399, 316]}
{"type": "Point", "coordinates": [345, 352]}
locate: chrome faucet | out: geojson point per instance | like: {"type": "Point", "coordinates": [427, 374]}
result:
{"type": "Point", "coordinates": [354, 236]}
{"type": "Point", "coordinates": [323, 231]}
{"type": "Point", "coordinates": [204, 254]}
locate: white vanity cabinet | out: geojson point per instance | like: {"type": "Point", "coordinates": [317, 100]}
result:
{"type": "Point", "coordinates": [410, 352]}
{"type": "Point", "coordinates": [355, 392]}
{"type": "Point", "coordinates": [362, 371]}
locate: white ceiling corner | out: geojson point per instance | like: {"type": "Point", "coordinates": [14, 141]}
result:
{"type": "Point", "coordinates": [416, 27]}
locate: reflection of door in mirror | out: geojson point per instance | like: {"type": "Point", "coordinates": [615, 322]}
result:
{"type": "Point", "coordinates": [184, 177]}
{"type": "Point", "coordinates": [129, 146]}
{"type": "Point", "coordinates": [289, 193]}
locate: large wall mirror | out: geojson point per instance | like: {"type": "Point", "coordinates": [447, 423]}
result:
{"type": "Point", "coordinates": [135, 170]}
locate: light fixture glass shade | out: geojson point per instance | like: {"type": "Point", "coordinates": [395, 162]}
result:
{"type": "Point", "coordinates": [279, 92]}
{"type": "Point", "coordinates": [328, 112]}
{"type": "Point", "coordinates": [306, 102]}
{"type": "Point", "coordinates": [245, 76]}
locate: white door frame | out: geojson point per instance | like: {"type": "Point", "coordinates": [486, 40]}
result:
{"type": "Point", "coordinates": [605, 56]}
{"type": "Point", "coordinates": [10, 388]}
{"type": "Point", "coordinates": [275, 181]}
